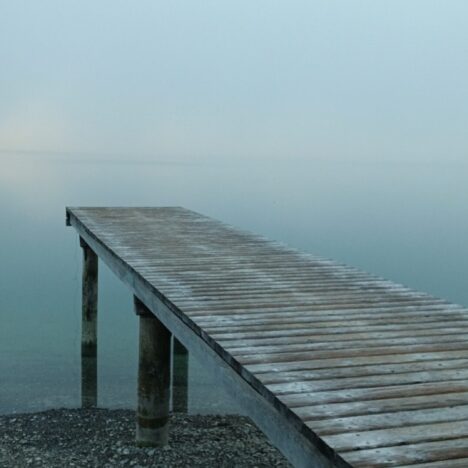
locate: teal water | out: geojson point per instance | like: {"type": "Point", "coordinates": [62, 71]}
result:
{"type": "Point", "coordinates": [406, 222]}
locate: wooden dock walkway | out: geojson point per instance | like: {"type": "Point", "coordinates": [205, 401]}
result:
{"type": "Point", "coordinates": [338, 367]}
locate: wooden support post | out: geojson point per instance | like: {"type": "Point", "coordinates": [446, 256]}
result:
{"type": "Point", "coordinates": [89, 328]}
{"type": "Point", "coordinates": [179, 377]}
{"type": "Point", "coordinates": [154, 374]}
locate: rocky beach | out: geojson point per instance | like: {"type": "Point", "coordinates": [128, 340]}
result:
{"type": "Point", "coordinates": [105, 438]}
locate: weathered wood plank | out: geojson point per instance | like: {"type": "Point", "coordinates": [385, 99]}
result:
{"type": "Point", "coordinates": [306, 315]}
{"type": "Point", "coordinates": [442, 389]}
{"type": "Point", "coordinates": [307, 343]}
{"type": "Point", "coordinates": [348, 353]}
{"type": "Point", "coordinates": [454, 463]}
{"type": "Point", "coordinates": [321, 411]}
{"type": "Point", "coordinates": [325, 362]}
{"type": "Point", "coordinates": [345, 383]}
{"type": "Point", "coordinates": [393, 420]}
{"type": "Point", "coordinates": [353, 441]}
{"type": "Point", "coordinates": [438, 451]}
{"type": "Point", "coordinates": [362, 371]}
{"type": "Point", "coordinates": [371, 324]}
{"type": "Point", "coordinates": [311, 306]}
{"type": "Point", "coordinates": [324, 335]}
{"type": "Point", "coordinates": [215, 303]}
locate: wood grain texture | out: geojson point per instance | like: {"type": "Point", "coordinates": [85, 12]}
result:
{"type": "Point", "coordinates": [375, 370]}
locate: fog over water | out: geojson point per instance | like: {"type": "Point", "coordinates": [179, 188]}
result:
{"type": "Point", "coordinates": [364, 80]}
{"type": "Point", "coordinates": [336, 127]}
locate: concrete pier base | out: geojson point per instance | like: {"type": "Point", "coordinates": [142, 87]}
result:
{"type": "Point", "coordinates": [89, 327]}
{"type": "Point", "coordinates": [153, 379]}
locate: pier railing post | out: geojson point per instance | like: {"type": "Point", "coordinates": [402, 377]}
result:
{"type": "Point", "coordinates": [89, 327]}
{"type": "Point", "coordinates": [179, 377]}
{"type": "Point", "coordinates": [153, 379]}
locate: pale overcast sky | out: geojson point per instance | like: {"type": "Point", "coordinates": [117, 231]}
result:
{"type": "Point", "coordinates": [227, 80]}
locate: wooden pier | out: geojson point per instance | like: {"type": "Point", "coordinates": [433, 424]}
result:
{"type": "Point", "coordinates": [339, 368]}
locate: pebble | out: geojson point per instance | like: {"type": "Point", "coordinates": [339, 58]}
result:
{"type": "Point", "coordinates": [105, 438]}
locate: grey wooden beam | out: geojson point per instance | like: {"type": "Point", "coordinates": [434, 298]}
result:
{"type": "Point", "coordinates": [180, 358]}
{"type": "Point", "coordinates": [154, 378]}
{"type": "Point", "coordinates": [89, 327]}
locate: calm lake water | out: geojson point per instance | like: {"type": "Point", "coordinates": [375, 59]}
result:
{"type": "Point", "coordinates": [406, 222]}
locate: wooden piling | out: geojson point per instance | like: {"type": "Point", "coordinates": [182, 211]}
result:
{"type": "Point", "coordinates": [153, 379]}
{"type": "Point", "coordinates": [89, 327]}
{"type": "Point", "coordinates": [179, 377]}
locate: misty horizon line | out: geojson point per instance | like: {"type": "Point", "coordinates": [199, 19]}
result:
{"type": "Point", "coordinates": [140, 158]}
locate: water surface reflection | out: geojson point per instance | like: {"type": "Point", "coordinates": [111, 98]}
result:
{"type": "Point", "coordinates": [405, 222]}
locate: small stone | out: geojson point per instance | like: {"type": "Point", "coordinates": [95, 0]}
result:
{"type": "Point", "coordinates": [105, 438]}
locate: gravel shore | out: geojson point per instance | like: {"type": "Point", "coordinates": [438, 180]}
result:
{"type": "Point", "coordinates": [104, 438]}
